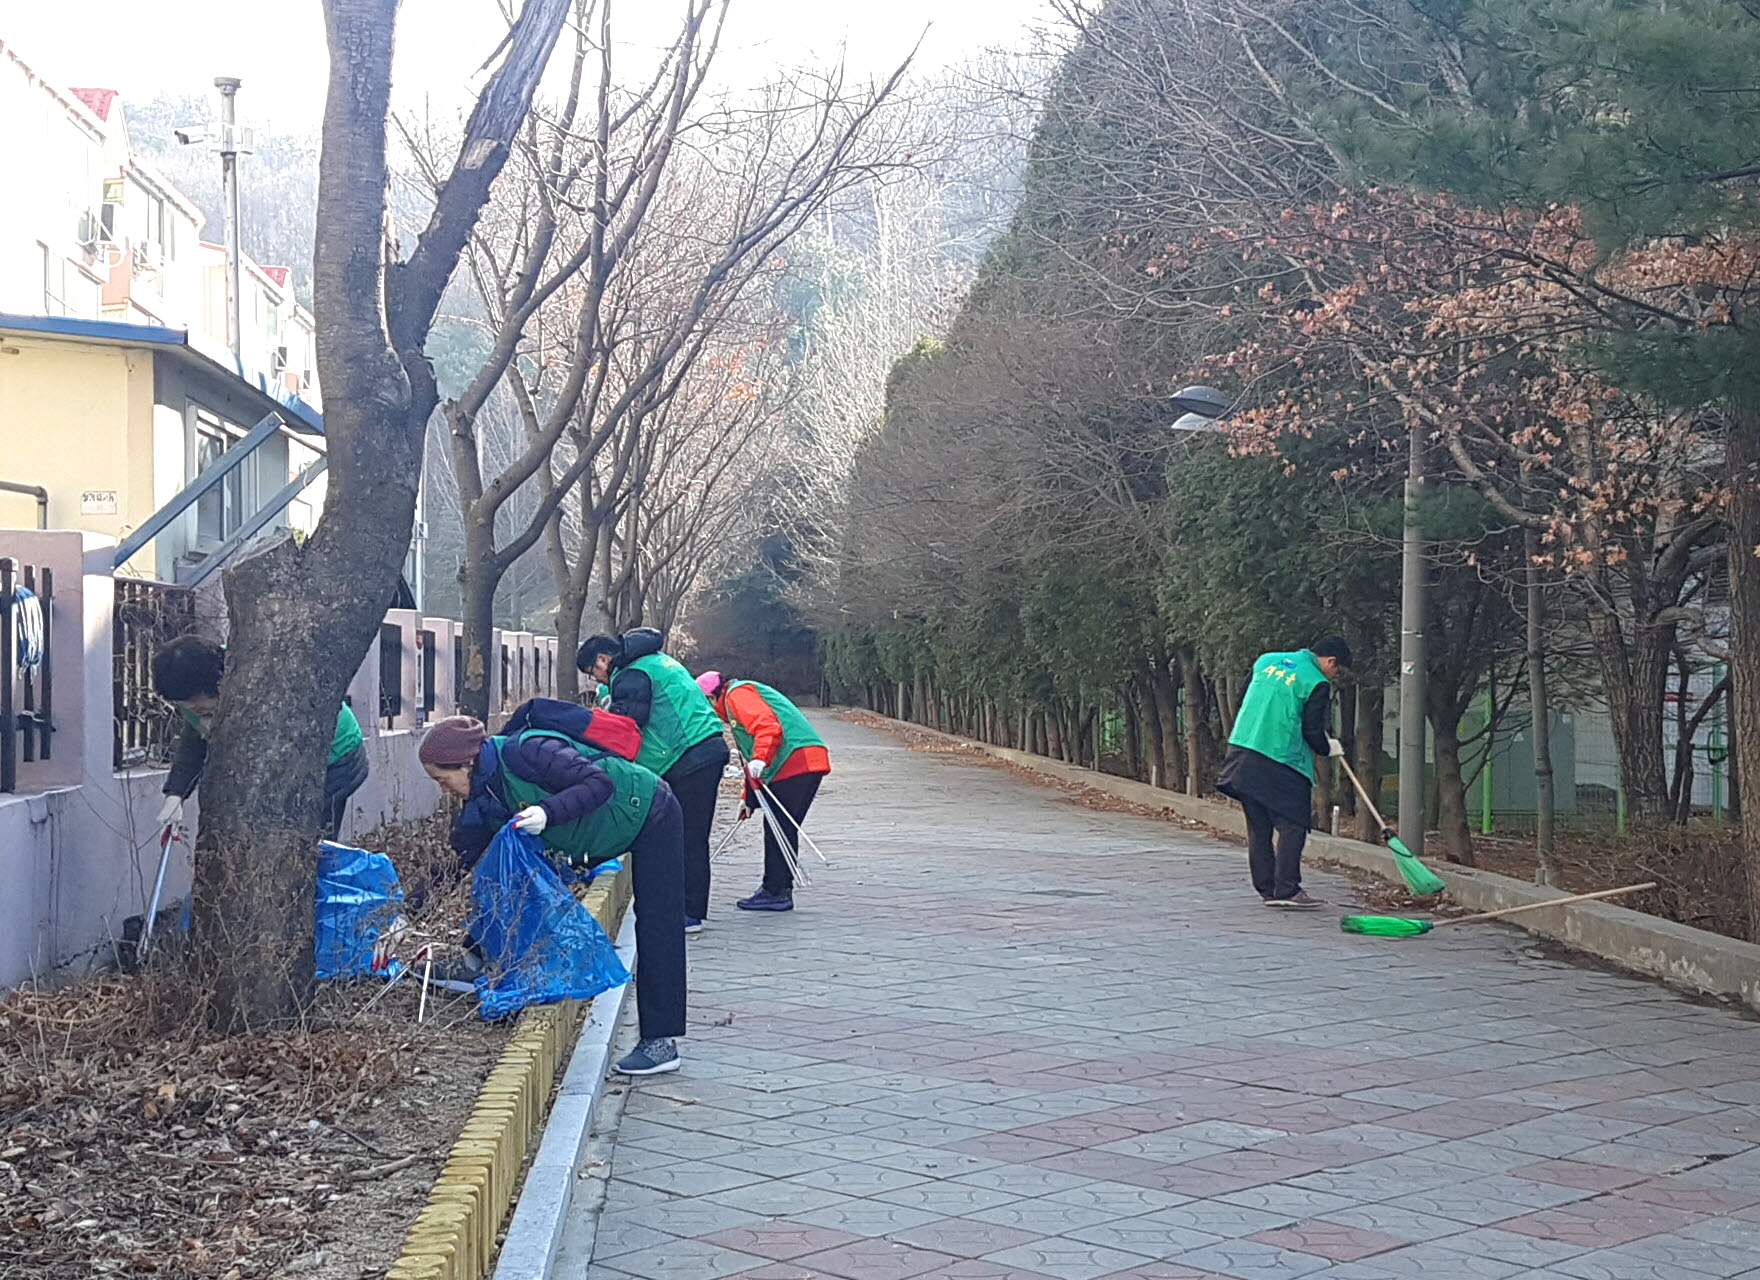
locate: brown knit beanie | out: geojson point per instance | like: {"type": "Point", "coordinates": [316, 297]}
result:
{"type": "Point", "coordinates": [452, 742]}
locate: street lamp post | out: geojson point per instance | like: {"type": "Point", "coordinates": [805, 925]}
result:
{"type": "Point", "coordinates": [1413, 669]}
{"type": "Point", "coordinates": [1200, 408]}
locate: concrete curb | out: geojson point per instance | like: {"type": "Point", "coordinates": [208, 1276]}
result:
{"type": "Point", "coordinates": [453, 1237]}
{"type": "Point", "coordinates": [529, 1249]}
{"type": "Point", "coordinates": [1693, 959]}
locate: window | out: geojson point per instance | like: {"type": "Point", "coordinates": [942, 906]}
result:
{"type": "Point", "coordinates": [68, 291]}
{"type": "Point", "coordinates": [220, 510]}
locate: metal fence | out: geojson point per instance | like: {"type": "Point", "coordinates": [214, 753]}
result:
{"type": "Point", "coordinates": [147, 615]}
{"type": "Point", "coordinates": [27, 671]}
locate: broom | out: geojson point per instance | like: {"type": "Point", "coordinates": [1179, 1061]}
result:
{"type": "Point", "coordinates": [1418, 877]}
{"type": "Point", "coordinates": [1403, 927]}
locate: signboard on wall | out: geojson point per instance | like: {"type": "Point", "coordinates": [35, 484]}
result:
{"type": "Point", "coordinates": [97, 502]}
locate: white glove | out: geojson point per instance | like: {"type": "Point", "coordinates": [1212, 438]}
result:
{"type": "Point", "coordinates": [755, 768]}
{"type": "Point", "coordinates": [1334, 747]}
{"type": "Point", "coordinates": [171, 812]}
{"type": "Point", "coordinates": [532, 821]}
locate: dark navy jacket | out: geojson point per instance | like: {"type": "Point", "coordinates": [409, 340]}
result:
{"type": "Point", "coordinates": [574, 784]}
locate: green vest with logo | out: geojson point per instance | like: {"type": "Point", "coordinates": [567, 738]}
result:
{"type": "Point", "coordinates": [679, 713]}
{"type": "Point", "coordinates": [1270, 719]}
{"type": "Point", "coordinates": [607, 831]}
{"type": "Point", "coordinates": [797, 730]}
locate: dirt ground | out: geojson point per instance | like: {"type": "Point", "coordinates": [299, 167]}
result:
{"type": "Point", "coordinates": [134, 1142]}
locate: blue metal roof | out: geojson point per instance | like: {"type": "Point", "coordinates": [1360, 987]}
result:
{"type": "Point", "coordinates": [197, 346]}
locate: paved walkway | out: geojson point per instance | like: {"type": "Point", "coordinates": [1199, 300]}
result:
{"type": "Point", "coordinates": [1007, 1038]}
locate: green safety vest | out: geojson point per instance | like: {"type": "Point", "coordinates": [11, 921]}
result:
{"type": "Point", "coordinates": [1270, 719]}
{"type": "Point", "coordinates": [607, 831]}
{"type": "Point", "coordinates": [797, 730]}
{"type": "Point", "coordinates": [679, 715]}
{"type": "Point", "coordinates": [346, 738]}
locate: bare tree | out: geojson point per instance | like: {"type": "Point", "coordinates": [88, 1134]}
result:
{"type": "Point", "coordinates": [585, 341]}
{"type": "Point", "coordinates": [302, 614]}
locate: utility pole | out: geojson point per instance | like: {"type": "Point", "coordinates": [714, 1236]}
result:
{"type": "Point", "coordinates": [1412, 669]}
{"type": "Point", "coordinates": [229, 150]}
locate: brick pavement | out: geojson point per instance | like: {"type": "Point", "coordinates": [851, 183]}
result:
{"type": "Point", "coordinates": [1008, 1038]}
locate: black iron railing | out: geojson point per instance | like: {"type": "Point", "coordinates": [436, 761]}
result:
{"type": "Point", "coordinates": [147, 615]}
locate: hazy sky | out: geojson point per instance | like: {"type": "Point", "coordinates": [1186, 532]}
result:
{"type": "Point", "coordinates": [277, 46]}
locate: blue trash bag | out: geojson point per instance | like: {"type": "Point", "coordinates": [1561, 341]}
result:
{"type": "Point", "coordinates": [539, 944]}
{"type": "Point", "coordinates": [358, 898]}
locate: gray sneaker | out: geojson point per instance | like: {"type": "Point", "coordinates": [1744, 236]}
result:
{"type": "Point", "coordinates": [649, 1058]}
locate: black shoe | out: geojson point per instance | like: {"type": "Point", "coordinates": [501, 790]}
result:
{"type": "Point", "coordinates": [764, 900]}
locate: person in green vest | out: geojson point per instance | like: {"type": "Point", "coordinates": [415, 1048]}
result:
{"type": "Point", "coordinates": [1269, 769]}
{"type": "Point", "coordinates": [187, 673]}
{"type": "Point", "coordinates": [587, 806]}
{"type": "Point", "coordinates": [785, 755]}
{"type": "Point", "coordinates": [681, 740]}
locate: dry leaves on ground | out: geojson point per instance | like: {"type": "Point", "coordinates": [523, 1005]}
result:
{"type": "Point", "coordinates": [137, 1143]}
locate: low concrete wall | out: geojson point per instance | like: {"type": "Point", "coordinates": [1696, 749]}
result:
{"type": "Point", "coordinates": [78, 847]}
{"type": "Point", "coordinates": [1706, 963]}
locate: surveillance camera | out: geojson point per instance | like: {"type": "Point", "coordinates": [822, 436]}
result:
{"type": "Point", "coordinates": [190, 135]}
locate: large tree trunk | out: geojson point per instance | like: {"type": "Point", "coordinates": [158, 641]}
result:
{"type": "Point", "coordinates": [302, 617]}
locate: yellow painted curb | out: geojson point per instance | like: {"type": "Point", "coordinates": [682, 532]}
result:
{"type": "Point", "coordinates": [453, 1237]}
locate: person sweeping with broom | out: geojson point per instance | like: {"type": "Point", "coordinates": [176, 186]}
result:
{"type": "Point", "coordinates": [1269, 768]}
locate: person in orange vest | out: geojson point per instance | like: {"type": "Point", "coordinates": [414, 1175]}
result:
{"type": "Point", "coordinates": [785, 755]}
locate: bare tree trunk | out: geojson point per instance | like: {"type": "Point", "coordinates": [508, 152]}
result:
{"type": "Point", "coordinates": [303, 616]}
{"type": "Point", "coordinates": [1451, 794]}
{"type": "Point", "coordinates": [1197, 722]}
{"type": "Point", "coordinates": [1150, 716]}
{"type": "Point", "coordinates": [1634, 677]}
{"type": "Point", "coordinates": [1370, 708]}
{"type": "Point", "coordinates": [1540, 708]}
{"type": "Point", "coordinates": [478, 577]}
{"type": "Point", "coordinates": [1347, 734]}
{"type": "Point", "coordinates": [1164, 692]}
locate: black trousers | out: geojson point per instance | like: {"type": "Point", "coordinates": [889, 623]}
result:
{"type": "Point", "coordinates": [795, 796]}
{"type": "Point", "coordinates": [341, 780]}
{"type": "Point", "coordinates": [656, 863]}
{"type": "Point", "coordinates": [696, 790]}
{"type": "Point", "coordinates": [1274, 851]}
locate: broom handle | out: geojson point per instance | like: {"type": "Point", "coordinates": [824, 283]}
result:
{"type": "Point", "coordinates": [1363, 792]}
{"type": "Point", "coordinates": [1551, 902]}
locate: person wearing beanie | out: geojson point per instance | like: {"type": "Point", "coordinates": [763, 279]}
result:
{"type": "Point", "coordinates": [1269, 769]}
{"type": "Point", "coordinates": [187, 673]}
{"type": "Point", "coordinates": [681, 740]}
{"type": "Point", "coordinates": [785, 756]}
{"type": "Point", "coordinates": [587, 806]}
